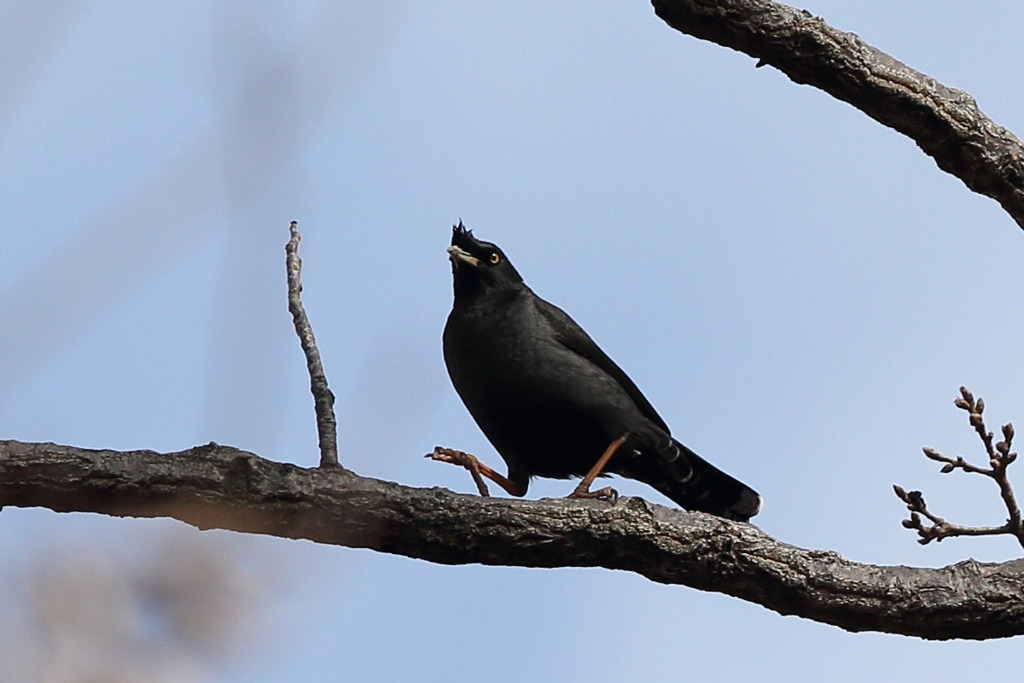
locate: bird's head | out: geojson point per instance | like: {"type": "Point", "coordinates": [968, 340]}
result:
{"type": "Point", "coordinates": [480, 268]}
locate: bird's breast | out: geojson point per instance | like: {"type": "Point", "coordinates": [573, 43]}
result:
{"type": "Point", "coordinates": [545, 409]}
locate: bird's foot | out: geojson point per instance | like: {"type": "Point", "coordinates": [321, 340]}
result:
{"type": "Point", "coordinates": [606, 493]}
{"type": "Point", "coordinates": [450, 455]}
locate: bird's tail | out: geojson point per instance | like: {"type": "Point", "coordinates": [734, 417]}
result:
{"type": "Point", "coordinates": [709, 489]}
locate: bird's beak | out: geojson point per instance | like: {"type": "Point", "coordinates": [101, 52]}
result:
{"type": "Point", "coordinates": [458, 256]}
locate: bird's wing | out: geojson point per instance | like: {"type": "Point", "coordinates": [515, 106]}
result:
{"type": "Point", "coordinates": [574, 338]}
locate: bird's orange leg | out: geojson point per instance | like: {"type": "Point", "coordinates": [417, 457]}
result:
{"type": "Point", "coordinates": [583, 488]}
{"type": "Point", "coordinates": [478, 470]}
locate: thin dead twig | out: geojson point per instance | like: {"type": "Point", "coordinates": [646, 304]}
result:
{"type": "Point", "coordinates": [323, 398]}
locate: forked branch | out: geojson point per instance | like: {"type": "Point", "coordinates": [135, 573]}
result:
{"type": "Point", "coordinates": [999, 458]}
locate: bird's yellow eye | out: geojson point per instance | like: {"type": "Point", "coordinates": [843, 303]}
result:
{"type": "Point", "coordinates": [495, 259]}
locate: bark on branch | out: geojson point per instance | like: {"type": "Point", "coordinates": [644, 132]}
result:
{"type": "Point", "coordinates": [945, 123]}
{"type": "Point", "coordinates": [216, 486]}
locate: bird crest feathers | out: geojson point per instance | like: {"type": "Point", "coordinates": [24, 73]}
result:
{"type": "Point", "coordinates": [462, 237]}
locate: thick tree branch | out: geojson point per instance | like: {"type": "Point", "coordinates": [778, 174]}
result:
{"type": "Point", "coordinates": [221, 487]}
{"type": "Point", "coordinates": [946, 123]}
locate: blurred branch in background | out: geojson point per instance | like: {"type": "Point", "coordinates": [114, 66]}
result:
{"type": "Point", "coordinates": [178, 608]}
{"type": "Point", "coordinates": [30, 33]}
{"type": "Point", "coordinates": [268, 98]}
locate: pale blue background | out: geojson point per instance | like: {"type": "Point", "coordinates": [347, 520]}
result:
{"type": "Point", "coordinates": [798, 290]}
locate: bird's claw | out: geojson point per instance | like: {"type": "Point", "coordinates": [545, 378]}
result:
{"type": "Point", "coordinates": [454, 457]}
{"type": "Point", "coordinates": [449, 455]}
{"type": "Point", "coordinates": [606, 493]}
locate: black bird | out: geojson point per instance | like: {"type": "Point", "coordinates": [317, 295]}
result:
{"type": "Point", "coordinates": [552, 403]}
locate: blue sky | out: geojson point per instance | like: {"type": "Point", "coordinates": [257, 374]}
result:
{"type": "Point", "coordinates": [798, 290]}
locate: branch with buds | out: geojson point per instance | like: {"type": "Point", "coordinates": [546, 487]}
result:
{"type": "Point", "coordinates": [999, 458]}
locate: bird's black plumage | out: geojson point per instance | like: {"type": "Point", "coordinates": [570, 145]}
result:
{"type": "Point", "coordinates": [551, 401]}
